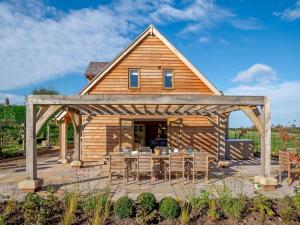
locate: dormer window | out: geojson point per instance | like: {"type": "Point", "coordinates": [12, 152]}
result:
{"type": "Point", "coordinates": [133, 78]}
{"type": "Point", "coordinates": [168, 78]}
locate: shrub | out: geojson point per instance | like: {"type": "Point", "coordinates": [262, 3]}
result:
{"type": "Point", "coordinates": [146, 201]}
{"type": "Point", "coordinates": [10, 206]}
{"type": "Point", "coordinates": [201, 202]}
{"type": "Point", "coordinates": [2, 220]}
{"type": "Point", "coordinates": [33, 209]}
{"type": "Point", "coordinates": [95, 201]}
{"type": "Point", "coordinates": [169, 208]}
{"type": "Point", "coordinates": [287, 210]}
{"type": "Point", "coordinates": [263, 205]}
{"type": "Point", "coordinates": [124, 207]}
{"type": "Point", "coordinates": [185, 213]}
{"type": "Point", "coordinates": [234, 208]}
{"type": "Point", "coordinates": [296, 199]}
{"type": "Point", "coordinates": [71, 205]}
{"type": "Point", "coordinates": [212, 212]}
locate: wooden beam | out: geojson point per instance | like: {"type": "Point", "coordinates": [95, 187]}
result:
{"type": "Point", "coordinates": [154, 99]}
{"type": "Point", "coordinates": [45, 116]}
{"type": "Point", "coordinates": [255, 119]}
{"type": "Point", "coordinates": [41, 111]}
{"type": "Point", "coordinates": [177, 109]}
{"type": "Point", "coordinates": [266, 139]}
{"type": "Point", "coordinates": [136, 110]}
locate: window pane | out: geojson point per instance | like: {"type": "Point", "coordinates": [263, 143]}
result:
{"type": "Point", "coordinates": [168, 78]}
{"type": "Point", "coordinates": [134, 78]}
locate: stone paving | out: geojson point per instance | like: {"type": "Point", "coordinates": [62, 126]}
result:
{"type": "Point", "coordinates": [238, 177]}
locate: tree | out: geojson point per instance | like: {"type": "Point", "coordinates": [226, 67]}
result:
{"type": "Point", "coordinates": [44, 91]}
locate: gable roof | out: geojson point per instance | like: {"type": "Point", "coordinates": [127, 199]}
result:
{"type": "Point", "coordinates": [94, 68]}
{"type": "Point", "coordinates": [150, 30]}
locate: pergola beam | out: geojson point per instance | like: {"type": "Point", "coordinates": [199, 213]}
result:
{"type": "Point", "coordinates": [155, 99]}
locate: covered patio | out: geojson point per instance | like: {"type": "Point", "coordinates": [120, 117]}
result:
{"type": "Point", "coordinates": [257, 108]}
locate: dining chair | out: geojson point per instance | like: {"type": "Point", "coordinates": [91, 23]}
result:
{"type": "Point", "coordinates": [117, 165]}
{"type": "Point", "coordinates": [145, 165]}
{"type": "Point", "coordinates": [284, 163]}
{"type": "Point", "coordinates": [200, 164]}
{"type": "Point", "coordinates": [175, 164]}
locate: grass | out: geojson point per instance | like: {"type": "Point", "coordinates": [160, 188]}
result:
{"type": "Point", "coordinates": [253, 135]}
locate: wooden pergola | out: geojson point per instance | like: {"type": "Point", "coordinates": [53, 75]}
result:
{"type": "Point", "coordinates": [257, 108]}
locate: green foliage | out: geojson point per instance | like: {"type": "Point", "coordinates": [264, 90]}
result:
{"type": "Point", "coordinates": [201, 202]}
{"type": "Point", "coordinates": [213, 214]}
{"type": "Point", "coordinates": [71, 202]}
{"type": "Point", "coordinates": [296, 199]}
{"type": "Point", "coordinates": [44, 91]}
{"type": "Point", "coordinates": [169, 208]}
{"type": "Point", "coordinates": [10, 206]}
{"type": "Point", "coordinates": [33, 209]}
{"type": "Point", "coordinates": [124, 207]}
{"type": "Point", "coordinates": [234, 208]}
{"type": "Point", "coordinates": [95, 201]}
{"type": "Point", "coordinates": [2, 222]}
{"type": "Point", "coordinates": [263, 205]}
{"type": "Point", "coordinates": [146, 201]}
{"type": "Point", "coordinates": [287, 211]}
{"type": "Point", "coordinates": [185, 213]}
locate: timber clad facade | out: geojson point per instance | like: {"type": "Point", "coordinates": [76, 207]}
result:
{"type": "Point", "coordinates": [151, 56]}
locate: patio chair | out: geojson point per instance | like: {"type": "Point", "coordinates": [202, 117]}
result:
{"type": "Point", "coordinates": [200, 163]}
{"type": "Point", "coordinates": [175, 164]}
{"type": "Point", "coordinates": [145, 165]}
{"type": "Point", "coordinates": [117, 165]}
{"type": "Point", "coordinates": [284, 163]}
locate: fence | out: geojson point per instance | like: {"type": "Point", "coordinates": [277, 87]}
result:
{"type": "Point", "coordinates": [276, 142]}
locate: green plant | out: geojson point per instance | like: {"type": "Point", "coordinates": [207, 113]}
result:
{"type": "Point", "coordinates": [34, 212]}
{"type": "Point", "coordinates": [201, 202]}
{"type": "Point", "coordinates": [287, 210]}
{"type": "Point", "coordinates": [97, 200]}
{"type": "Point", "coordinates": [124, 207]}
{"type": "Point", "coordinates": [10, 206]}
{"type": "Point", "coordinates": [234, 208]}
{"type": "Point", "coordinates": [101, 208]}
{"type": "Point", "coordinates": [146, 201]}
{"type": "Point", "coordinates": [71, 206]}
{"type": "Point", "coordinates": [185, 213]}
{"type": "Point", "coordinates": [2, 222]}
{"type": "Point", "coordinates": [263, 205]}
{"type": "Point", "coordinates": [212, 212]}
{"type": "Point", "coordinates": [169, 208]}
{"type": "Point", "coordinates": [296, 199]}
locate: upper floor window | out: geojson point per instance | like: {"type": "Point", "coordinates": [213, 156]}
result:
{"type": "Point", "coordinates": [168, 78]}
{"type": "Point", "coordinates": [134, 78]}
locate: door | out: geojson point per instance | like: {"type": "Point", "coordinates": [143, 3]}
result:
{"type": "Point", "coordinates": [126, 134]}
{"type": "Point", "coordinates": [175, 126]}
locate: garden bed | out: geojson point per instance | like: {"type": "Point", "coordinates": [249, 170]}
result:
{"type": "Point", "coordinates": [210, 207]}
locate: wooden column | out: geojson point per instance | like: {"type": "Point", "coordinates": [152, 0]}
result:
{"type": "Point", "coordinates": [266, 139]}
{"type": "Point", "coordinates": [76, 119]}
{"type": "Point", "coordinates": [32, 183]}
{"type": "Point", "coordinates": [63, 142]}
{"type": "Point", "coordinates": [222, 121]}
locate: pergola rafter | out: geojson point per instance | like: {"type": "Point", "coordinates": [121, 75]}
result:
{"type": "Point", "coordinates": [156, 105]}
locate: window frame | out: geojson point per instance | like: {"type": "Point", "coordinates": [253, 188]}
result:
{"type": "Point", "coordinates": [139, 78]}
{"type": "Point", "coordinates": [173, 78]}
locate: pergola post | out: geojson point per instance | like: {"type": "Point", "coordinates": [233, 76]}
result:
{"type": "Point", "coordinates": [77, 139]}
{"type": "Point", "coordinates": [31, 183]}
{"type": "Point", "coordinates": [222, 120]}
{"type": "Point", "coordinates": [63, 128]}
{"type": "Point", "coordinates": [266, 139]}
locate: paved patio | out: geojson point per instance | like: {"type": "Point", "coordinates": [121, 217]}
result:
{"type": "Point", "coordinates": [239, 177]}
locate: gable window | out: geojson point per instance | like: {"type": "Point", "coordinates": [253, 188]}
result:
{"type": "Point", "coordinates": [134, 78]}
{"type": "Point", "coordinates": [168, 78]}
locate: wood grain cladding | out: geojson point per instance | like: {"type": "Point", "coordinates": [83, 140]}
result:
{"type": "Point", "coordinates": [101, 135]}
{"type": "Point", "coordinates": [151, 56]}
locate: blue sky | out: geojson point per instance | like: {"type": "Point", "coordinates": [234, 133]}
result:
{"type": "Point", "coordinates": [244, 47]}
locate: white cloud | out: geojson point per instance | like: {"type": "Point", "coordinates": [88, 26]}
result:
{"type": "Point", "coordinates": [257, 73]}
{"type": "Point", "coordinates": [290, 14]}
{"type": "Point", "coordinates": [246, 24]}
{"type": "Point", "coordinates": [204, 39]}
{"type": "Point", "coordinates": [285, 101]}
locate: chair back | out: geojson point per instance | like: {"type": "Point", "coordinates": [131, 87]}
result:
{"type": "Point", "coordinates": [116, 162]}
{"type": "Point", "coordinates": [176, 161]}
{"type": "Point", "coordinates": [284, 160]}
{"type": "Point", "coordinates": [200, 161]}
{"type": "Point", "coordinates": [144, 162]}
